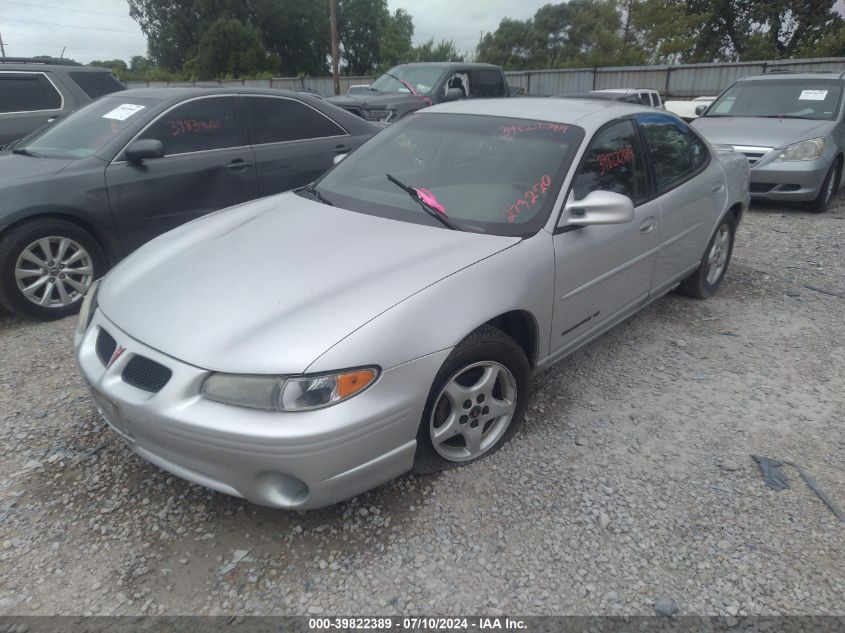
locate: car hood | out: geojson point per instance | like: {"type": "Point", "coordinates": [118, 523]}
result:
{"type": "Point", "coordinates": [377, 100]}
{"type": "Point", "coordinates": [15, 167]}
{"type": "Point", "coordinates": [268, 286]}
{"type": "Point", "coordinates": [759, 131]}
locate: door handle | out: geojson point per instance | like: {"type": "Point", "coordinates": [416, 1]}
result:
{"type": "Point", "coordinates": [342, 149]}
{"type": "Point", "coordinates": [717, 187]}
{"type": "Point", "coordinates": [647, 225]}
{"type": "Point", "coordinates": [238, 165]}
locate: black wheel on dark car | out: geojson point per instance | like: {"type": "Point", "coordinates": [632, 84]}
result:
{"type": "Point", "coordinates": [46, 266]}
{"type": "Point", "coordinates": [829, 188]}
{"type": "Point", "coordinates": [707, 278]}
{"type": "Point", "coordinates": [476, 402]}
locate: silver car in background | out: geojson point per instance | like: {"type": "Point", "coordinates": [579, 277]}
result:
{"type": "Point", "coordinates": [303, 348]}
{"type": "Point", "coordinates": [790, 127]}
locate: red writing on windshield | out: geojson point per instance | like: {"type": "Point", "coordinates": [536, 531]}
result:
{"type": "Point", "coordinates": [513, 130]}
{"type": "Point", "coordinates": [188, 126]}
{"type": "Point", "coordinates": [612, 160]}
{"type": "Point", "coordinates": [529, 198]}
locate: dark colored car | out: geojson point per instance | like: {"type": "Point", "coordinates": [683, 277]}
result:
{"type": "Point", "coordinates": [409, 87]}
{"type": "Point", "coordinates": [33, 92]}
{"type": "Point", "coordinates": [94, 186]}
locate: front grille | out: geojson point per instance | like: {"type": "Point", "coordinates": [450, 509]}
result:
{"type": "Point", "coordinates": [753, 154]}
{"type": "Point", "coordinates": [146, 374]}
{"type": "Point", "coordinates": [105, 346]}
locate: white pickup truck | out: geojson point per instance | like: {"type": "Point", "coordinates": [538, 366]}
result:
{"type": "Point", "coordinates": [686, 109]}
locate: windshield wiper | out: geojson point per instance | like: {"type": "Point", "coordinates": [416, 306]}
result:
{"type": "Point", "coordinates": [312, 189]}
{"type": "Point", "coordinates": [439, 215]}
{"type": "Point", "coordinates": [26, 152]}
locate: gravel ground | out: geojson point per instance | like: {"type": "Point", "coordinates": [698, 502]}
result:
{"type": "Point", "coordinates": [630, 483]}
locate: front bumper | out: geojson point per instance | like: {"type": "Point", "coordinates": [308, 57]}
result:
{"type": "Point", "coordinates": [784, 181]}
{"type": "Point", "coordinates": [298, 460]}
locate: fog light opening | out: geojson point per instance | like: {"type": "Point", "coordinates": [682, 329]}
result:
{"type": "Point", "coordinates": [281, 489]}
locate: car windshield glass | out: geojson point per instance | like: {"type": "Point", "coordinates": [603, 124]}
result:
{"type": "Point", "coordinates": [793, 98]}
{"type": "Point", "coordinates": [88, 129]}
{"type": "Point", "coordinates": [486, 174]}
{"type": "Point", "coordinates": [422, 79]}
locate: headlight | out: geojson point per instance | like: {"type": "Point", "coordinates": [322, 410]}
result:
{"type": "Point", "coordinates": [288, 393]}
{"type": "Point", "coordinates": [378, 115]}
{"type": "Point", "coordinates": [805, 150]}
{"type": "Point", "coordinates": [88, 308]}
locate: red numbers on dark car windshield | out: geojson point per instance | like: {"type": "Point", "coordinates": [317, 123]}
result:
{"type": "Point", "coordinates": [188, 126]}
{"type": "Point", "coordinates": [529, 198]}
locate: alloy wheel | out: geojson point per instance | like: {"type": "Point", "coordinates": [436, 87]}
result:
{"type": "Point", "coordinates": [54, 272]}
{"type": "Point", "coordinates": [472, 411]}
{"type": "Point", "coordinates": [718, 256]}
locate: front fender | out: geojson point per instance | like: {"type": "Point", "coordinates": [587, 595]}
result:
{"type": "Point", "coordinates": [441, 315]}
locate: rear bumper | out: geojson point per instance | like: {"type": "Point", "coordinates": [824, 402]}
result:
{"type": "Point", "coordinates": [296, 460]}
{"type": "Point", "coordinates": [798, 181]}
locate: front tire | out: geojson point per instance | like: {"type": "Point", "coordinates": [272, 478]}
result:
{"type": "Point", "coordinates": [829, 188]}
{"type": "Point", "coordinates": [476, 402]}
{"type": "Point", "coordinates": [46, 266]}
{"type": "Point", "coordinates": [707, 278]}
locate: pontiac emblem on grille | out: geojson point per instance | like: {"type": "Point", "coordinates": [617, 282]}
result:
{"type": "Point", "coordinates": [117, 352]}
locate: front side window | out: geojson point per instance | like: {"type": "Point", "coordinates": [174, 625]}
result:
{"type": "Point", "coordinates": [196, 126]}
{"type": "Point", "coordinates": [489, 174]}
{"type": "Point", "coordinates": [84, 132]}
{"type": "Point", "coordinates": [276, 120]}
{"type": "Point", "coordinates": [780, 98]}
{"type": "Point", "coordinates": [613, 163]}
{"type": "Point", "coordinates": [676, 152]}
{"type": "Point", "coordinates": [27, 92]}
{"type": "Point", "coordinates": [488, 83]}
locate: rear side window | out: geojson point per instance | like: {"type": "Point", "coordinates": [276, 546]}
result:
{"type": "Point", "coordinates": [27, 92]}
{"type": "Point", "coordinates": [613, 163]}
{"type": "Point", "coordinates": [676, 152]}
{"type": "Point", "coordinates": [276, 120]}
{"type": "Point", "coordinates": [488, 83]}
{"type": "Point", "coordinates": [96, 84]}
{"type": "Point", "coordinates": [198, 125]}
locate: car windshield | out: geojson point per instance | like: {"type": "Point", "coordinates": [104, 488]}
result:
{"type": "Point", "coordinates": [816, 99]}
{"type": "Point", "coordinates": [422, 79]}
{"type": "Point", "coordinates": [85, 131]}
{"type": "Point", "coordinates": [486, 174]}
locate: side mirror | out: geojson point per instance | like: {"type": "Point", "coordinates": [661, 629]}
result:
{"type": "Point", "coordinates": [453, 94]}
{"type": "Point", "coordinates": [338, 158]}
{"type": "Point", "coordinates": [598, 207]}
{"type": "Point", "coordinates": [138, 151]}
{"type": "Point", "coordinates": [701, 109]}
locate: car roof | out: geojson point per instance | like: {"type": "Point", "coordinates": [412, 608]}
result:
{"type": "Point", "coordinates": [625, 90]}
{"type": "Point", "coordinates": [181, 93]}
{"type": "Point", "coordinates": [16, 64]}
{"type": "Point", "coordinates": [587, 113]}
{"type": "Point", "coordinates": [773, 75]}
{"type": "Point", "coordinates": [604, 96]}
{"type": "Point", "coordinates": [449, 65]}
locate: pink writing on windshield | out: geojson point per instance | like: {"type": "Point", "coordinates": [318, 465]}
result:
{"type": "Point", "coordinates": [513, 130]}
{"type": "Point", "coordinates": [529, 198]}
{"type": "Point", "coordinates": [612, 160]}
{"type": "Point", "coordinates": [186, 126]}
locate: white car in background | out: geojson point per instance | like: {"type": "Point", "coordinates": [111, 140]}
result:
{"type": "Point", "coordinates": [648, 97]}
{"type": "Point", "coordinates": [686, 108]}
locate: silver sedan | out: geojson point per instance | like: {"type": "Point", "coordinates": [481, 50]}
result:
{"type": "Point", "coordinates": [303, 348]}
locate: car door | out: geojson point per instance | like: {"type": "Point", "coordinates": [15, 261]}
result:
{"type": "Point", "coordinates": [28, 100]}
{"type": "Point", "coordinates": [603, 272]}
{"type": "Point", "coordinates": [691, 191]}
{"type": "Point", "coordinates": [293, 143]}
{"type": "Point", "coordinates": [207, 165]}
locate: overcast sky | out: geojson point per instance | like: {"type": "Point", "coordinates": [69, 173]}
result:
{"type": "Point", "coordinates": [102, 29]}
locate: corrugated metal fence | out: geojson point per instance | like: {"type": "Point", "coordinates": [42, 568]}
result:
{"type": "Point", "coordinates": [682, 80]}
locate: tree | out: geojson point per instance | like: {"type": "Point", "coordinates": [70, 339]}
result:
{"type": "Point", "coordinates": [118, 67]}
{"type": "Point", "coordinates": [445, 51]}
{"type": "Point", "coordinates": [512, 45]}
{"type": "Point", "coordinates": [395, 44]}
{"type": "Point", "coordinates": [660, 31]}
{"type": "Point", "coordinates": [229, 48]}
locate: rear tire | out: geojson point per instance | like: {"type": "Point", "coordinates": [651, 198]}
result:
{"type": "Point", "coordinates": [476, 402]}
{"type": "Point", "coordinates": [46, 266]}
{"type": "Point", "coordinates": [707, 278]}
{"type": "Point", "coordinates": [829, 188]}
